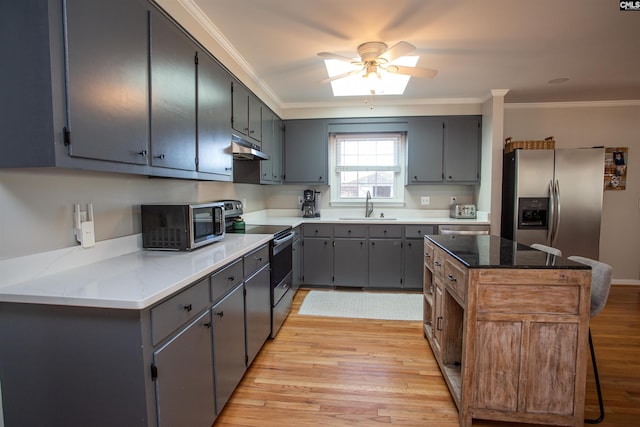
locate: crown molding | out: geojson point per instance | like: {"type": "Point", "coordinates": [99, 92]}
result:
{"type": "Point", "coordinates": [573, 104]}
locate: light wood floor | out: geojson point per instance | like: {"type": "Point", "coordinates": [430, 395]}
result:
{"type": "Point", "coordinates": [351, 372]}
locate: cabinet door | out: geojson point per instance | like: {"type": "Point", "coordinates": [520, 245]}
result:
{"type": "Point", "coordinates": [385, 263]}
{"type": "Point", "coordinates": [296, 254]}
{"type": "Point", "coordinates": [317, 261]}
{"type": "Point", "coordinates": [413, 263]}
{"type": "Point", "coordinates": [228, 345]}
{"type": "Point", "coordinates": [184, 385]}
{"type": "Point", "coordinates": [214, 118]}
{"type": "Point", "coordinates": [462, 149]}
{"type": "Point", "coordinates": [173, 96]}
{"type": "Point", "coordinates": [240, 109]}
{"type": "Point", "coordinates": [424, 150]}
{"type": "Point", "coordinates": [255, 118]}
{"type": "Point", "coordinates": [257, 311]}
{"type": "Point", "coordinates": [108, 79]}
{"type": "Point", "coordinates": [276, 151]}
{"type": "Point", "coordinates": [266, 166]}
{"type": "Point", "coordinates": [350, 262]}
{"type": "Point", "coordinates": [306, 151]}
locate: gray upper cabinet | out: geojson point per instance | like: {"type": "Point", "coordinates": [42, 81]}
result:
{"type": "Point", "coordinates": [108, 80]}
{"type": "Point", "coordinates": [247, 113]}
{"type": "Point", "coordinates": [214, 118]}
{"type": "Point", "coordinates": [462, 149]}
{"type": "Point", "coordinates": [173, 96]}
{"type": "Point", "coordinates": [425, 150]}
{"type": "Point", "coordinates": [305, 151]}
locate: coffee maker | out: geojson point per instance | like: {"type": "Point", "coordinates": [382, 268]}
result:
{"type": "Point", "coordinates": [311, 204]}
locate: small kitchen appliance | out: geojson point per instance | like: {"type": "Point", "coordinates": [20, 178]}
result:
{"type": "Point", "coordinates": [181, 226]}
{"type": "Point", "coordinates": [463, 211]}
{"type": "Point", "coordinates": [311, 204]}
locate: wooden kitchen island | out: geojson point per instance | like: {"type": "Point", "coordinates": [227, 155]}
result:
{"type": "Point", "coordinates": [508, 330]}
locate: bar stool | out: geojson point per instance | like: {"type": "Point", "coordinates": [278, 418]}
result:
{"type": "Point", "coordinates": [552, 253]}
{"type": "Point", "coordinates": [601, 274]}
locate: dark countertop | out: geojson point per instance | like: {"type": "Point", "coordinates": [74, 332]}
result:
{"type": "Point", "coordinates": [488, 251]}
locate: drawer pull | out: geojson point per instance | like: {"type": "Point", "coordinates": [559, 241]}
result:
{"type": "Point", "coordinates": [188, 307]}
{"type": "Point", "coordinates": [439, 324]}
{"type": "Point", "coordinates": [426, 255]}
{"type": "Point", "coordinates": [259, 258]}
{"type": "Point", "coordinates": [452, 278]}
{"type": "Point", "coordinates": [220, 313]}
{"type": "Point", "coordinates": [231, 278]}
{"type": "Point", "coordinates": [207, 325]}
{"type": "Point", "coordinates": [436, 263]}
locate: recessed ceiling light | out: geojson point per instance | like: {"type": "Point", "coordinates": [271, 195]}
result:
{"type": "Point", "coordinates": [558, 80]}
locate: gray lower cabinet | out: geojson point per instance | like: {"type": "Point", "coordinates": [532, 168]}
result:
{"type": "Point", "coordinates": [257, 311]}
{"type": "Point", "coordinates": [184, 363]}
{"type": "Point", "coordinates": [296, 255]}
{"type": "Point", "coordinates": [305, 151]}
{"type": "Point", "coordinates": [350, 255]}
{"type": "Point", "coordinates": [228, 345]}
{"type": "Point", "coordinates": [413, 254]}
{"type": "Point", "coordinates": [173, 364]}
{"type": "Point", "coordinates": [318, 253]}
{"type": "Point", "coordinates": [385, 263]}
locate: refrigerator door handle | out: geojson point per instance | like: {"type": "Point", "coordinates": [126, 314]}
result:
{"type": "Point", "coordinates": [556, 226]}
{"type": "Point", "coordinates": [552, 214]}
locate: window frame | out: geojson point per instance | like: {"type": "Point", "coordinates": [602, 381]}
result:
{"type": "Point", "coordinates": [399, 176]}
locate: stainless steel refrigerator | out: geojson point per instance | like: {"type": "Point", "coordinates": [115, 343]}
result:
{"type": "Point", "coordinates": [554, 197]}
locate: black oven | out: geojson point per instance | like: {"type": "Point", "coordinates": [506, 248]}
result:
{"type": "Point", "coordinates": [280, 260]}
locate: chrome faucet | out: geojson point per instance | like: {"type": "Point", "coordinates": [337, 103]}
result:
{"type": "Point", "coordinates": [368, 205]}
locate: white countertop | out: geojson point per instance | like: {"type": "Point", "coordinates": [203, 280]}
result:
{"type": "Point", "coordinates": [120, 274]}
{"type": "Point", "coordinates": [134, 280]}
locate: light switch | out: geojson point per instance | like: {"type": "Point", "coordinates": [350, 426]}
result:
{"type": "Point", "coordinates": [425, 200]}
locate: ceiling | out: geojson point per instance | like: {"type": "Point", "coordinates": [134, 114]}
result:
{"type": "Point", "coordinates": [476, 46]}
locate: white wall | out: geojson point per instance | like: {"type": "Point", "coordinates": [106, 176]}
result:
{"type": "Point", "coordinates": [37, 204]}
{"type": "Point", "coordinates": [595, 124]}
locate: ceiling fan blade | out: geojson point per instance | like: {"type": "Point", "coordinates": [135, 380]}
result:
{"type": "Point", "coordinates": [412, 71]}
{"type": "Point", "coordinates": [341, 76]}
{"type": "Point", "coordinates": [329, 55]}
{"type": "Point", "coordinates": [397, 50]}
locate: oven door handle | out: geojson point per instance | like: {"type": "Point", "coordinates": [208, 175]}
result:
{"type": "Point", "coordinates": [290, 236]}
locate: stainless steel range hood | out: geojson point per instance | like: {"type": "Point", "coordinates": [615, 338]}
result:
{"type": "Point", "coordinates": [245, 150]}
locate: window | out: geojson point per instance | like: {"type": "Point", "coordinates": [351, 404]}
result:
{"type": "Point", "coordinates": [367, 163]}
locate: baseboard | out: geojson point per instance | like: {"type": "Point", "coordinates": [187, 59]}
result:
{"type": "Point", "coordinates": [626, 282]}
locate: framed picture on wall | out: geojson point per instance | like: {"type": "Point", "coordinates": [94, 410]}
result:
{"type": "Point", "coordinates": [615, 168]}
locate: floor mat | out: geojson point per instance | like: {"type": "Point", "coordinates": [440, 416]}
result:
{"type": "Point", "coordinates": [363, 304]}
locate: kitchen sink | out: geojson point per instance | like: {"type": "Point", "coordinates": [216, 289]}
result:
{"type": "Point", "coordinates": [364, 218]}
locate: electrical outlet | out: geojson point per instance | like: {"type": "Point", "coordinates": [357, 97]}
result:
{"type": "Point", "coordinates": [300, 200]}
{"type": "Point", "coordinates": [453, 200]}
{"type": "Point", "coordinates": [425, 200]}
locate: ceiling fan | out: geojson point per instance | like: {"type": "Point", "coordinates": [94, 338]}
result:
{"type": "Point", "coordinates": [376, 56]}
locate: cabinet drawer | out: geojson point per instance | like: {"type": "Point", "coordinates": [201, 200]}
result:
{"type": "Point", "coordinates": [177, 310]}
{"type": "Point", "coordinates": [391, 231]}
{"type": "Point", "coordinates": [350, 231]}
{"type": "Point", "coordinates": [318, 230]}
{"type": "Point", "coordinates": [438, 263]}
{"type": "Point", "coordinates": [456, 277]}
{"type": "Point", "coordinates": [256, 259]}
{"type": "Point", "coordinates": [225, 280]}
{"type": "Point", "coordinates": [428, 254]}
{"type": "Point", "coordinates": [418, 231]}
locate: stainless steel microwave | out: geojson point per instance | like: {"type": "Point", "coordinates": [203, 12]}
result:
{"type": "Point", "coordinates": [181, 226]}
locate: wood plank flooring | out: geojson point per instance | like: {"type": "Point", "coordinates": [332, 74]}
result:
{"type": "Point", "coordinates": [355, 372]}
